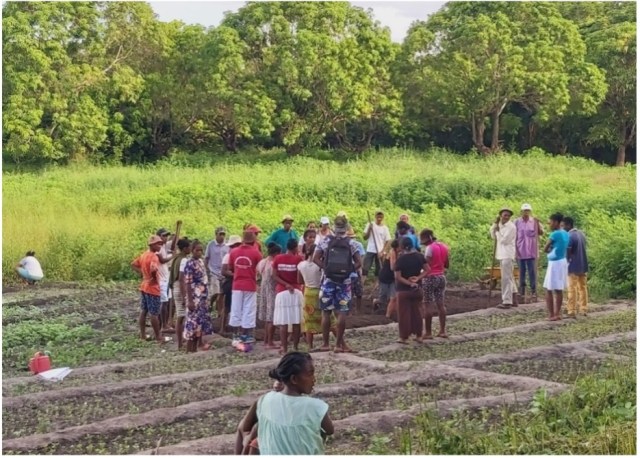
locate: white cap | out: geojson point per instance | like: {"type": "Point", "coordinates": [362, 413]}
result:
{"type": "Point", "coordinates": [324, 220]}
{"type": "Point", "coordinates": [526, 207]}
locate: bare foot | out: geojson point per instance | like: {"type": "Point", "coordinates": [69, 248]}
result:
{"type": "Point", "coordinates": [442, 335]}
{"type": "Point", "coordinates": [419, 340]}
{"type": "Point", "coordinates": [428, 337]}
{"type": "Point", "coordinates": [554, 318]}
{"type": "Point", "coordinates": [402, 341]}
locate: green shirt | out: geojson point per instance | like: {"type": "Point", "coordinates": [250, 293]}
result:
{"type": "Point", "coordinates": [290, 425]}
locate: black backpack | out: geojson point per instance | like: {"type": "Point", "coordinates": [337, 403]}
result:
{"type": "Point", "coordinates": [338, 260]}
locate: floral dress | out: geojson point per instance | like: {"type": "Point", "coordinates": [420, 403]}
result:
{"type": "Point", "coordinates": [267, 296]}
{"type": "Point", "coordinates": [198, 322]}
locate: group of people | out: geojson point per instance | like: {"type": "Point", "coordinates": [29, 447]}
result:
{"type": "Point", "coordinates": [566, 255]}
{"type": "Point", "coordinates": [303, 286]}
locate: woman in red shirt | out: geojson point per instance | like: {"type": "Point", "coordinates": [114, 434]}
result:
{"type": "Point", "coordinates": [289, 297]}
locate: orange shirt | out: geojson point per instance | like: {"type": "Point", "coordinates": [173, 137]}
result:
{"type": "Point", "coordinates": [149, 264]}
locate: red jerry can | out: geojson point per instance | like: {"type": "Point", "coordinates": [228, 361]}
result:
{"type": "Point", "coordinates": [39, 363]}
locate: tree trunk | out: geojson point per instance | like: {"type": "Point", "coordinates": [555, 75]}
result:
{"type": "Point", "coordinates": [622, 150]}
{"type": "Point", "coordinates": [495, 131]}
{"type": "Point", "coordinates": [230, 140]}
{"type": "Point", "coordinates": [477, 131]}
{"type": "Point", "coordinates": [293, 150]}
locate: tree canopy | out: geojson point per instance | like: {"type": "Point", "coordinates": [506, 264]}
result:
{"type": "Point", "coordinates": [108, 81]}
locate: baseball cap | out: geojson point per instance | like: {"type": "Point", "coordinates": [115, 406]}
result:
{"type": "Point", "coordinates": [324, 220]}
{"type": "Point", "coordinates": [340, 224]}
{"type": "Point", "coordinates": [220, 230]}
{"type": "Point", "coordinates": [287, 218]}
{"type": "Point", "coordinates": [253, 228]}
{"type": "Point", "coordinates": [154, 239]}
{"type": "Point", "coordinates": [526, 207]}
{"type": "Point", "coordinates": [234, 239]}
{"type": "Point", "coordinates": [162, 231]}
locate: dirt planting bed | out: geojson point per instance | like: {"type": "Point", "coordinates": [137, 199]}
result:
{"type": "Point", "coordinates": [622, 347]}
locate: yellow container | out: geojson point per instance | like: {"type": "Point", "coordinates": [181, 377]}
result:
{"type": "Point", "coordinates": [494, 272]}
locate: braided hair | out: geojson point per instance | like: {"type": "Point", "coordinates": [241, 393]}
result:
{"type": "Point", "coordinates": [291, 364]}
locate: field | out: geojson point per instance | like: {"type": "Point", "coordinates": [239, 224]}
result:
{"type": "Point", "coordinates": [126, 396]}
{"type": "Point", "coordinates": [86, 223]}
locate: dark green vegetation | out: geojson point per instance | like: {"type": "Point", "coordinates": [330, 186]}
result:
{"type": "Point", "coordinates": [107, 81]}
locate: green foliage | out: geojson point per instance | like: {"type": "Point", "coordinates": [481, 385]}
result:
{"type": "Point", "coordinates": [92, 221]}
{"type": "Point", "coordinates": [597, 416]}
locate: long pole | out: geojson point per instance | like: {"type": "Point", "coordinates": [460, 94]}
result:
{"type": "Point", "coordinates": [375, 244]}
{"type": "Point", "coordinates": [493, 259]}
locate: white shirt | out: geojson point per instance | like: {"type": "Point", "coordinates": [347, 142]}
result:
{"type": "Point", "coordinates": [32, 265]}
{"type": "Point", "coordinates": [320, 237]}
{"type": "Point", "coordinates": [381, 234]}
{"type": "Point", "coordinates": [311, 274]}
{"type": "Point", "coordinates": [225, 259]}
{"type": "Point", "coordinates": [163, 271]}
{"type": "Point", "coordinates": [506, 236]}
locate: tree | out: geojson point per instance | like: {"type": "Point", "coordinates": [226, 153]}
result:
{"type": "Point", "coordinates": [470, 60]}
{"type": "Point", "coordinates": [323, 63]}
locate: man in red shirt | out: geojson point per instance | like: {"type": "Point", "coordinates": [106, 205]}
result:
{"type": "Point", "coordinates": [148, 265]}
{"type": "Point", "coordinates": [243, 263]}
{"type": "Point", "coordinates": [289, 299]}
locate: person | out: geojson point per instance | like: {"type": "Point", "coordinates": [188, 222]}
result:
{"type": "Point", "coordinates": [284, 234]}
{"type": "Point", "coordinates": [578, 269]}
{"type": "Point", "coordinates": [197, 323]}
{"type": "Point", "coordinates": [528, 231]}
{"type": "Point", "coordinates": [555, 279]}
{"type": "Point", "coordinates": [434, 281]}
{"type": "Point", "coordinates": [503, 232]}
{"type": "Point", "coordinates": [289, 297]}
{"type": "Point", "coordinates": [257, 231]}
{"type": "Point", "coordinates": [243, 262]}
{"type": "Point", "coordinates": [290, 421]}
{"type": "Point", "coordinates": [216, 249]}
{"type": "Point", "coordinates": [310, 275]}
{"type": "Point", "coordinates": [402, 230]}
{"type": "Point", "coordinates": [178, 286]}
{"type": "Point", "coordinates": [165, 255]}
{"type": "Point", "coordinates": [311, 226]}
{"type": "Point", "coordinates": [407, 271]}
{"type": "Point", "coordinates": [325, 230]}
{"type": "Point", "coordinates": [405, 218]}
{"type": "Point", "coordinates": [386, 279]}
{"type": "Point", "coordinates": [308, 240]}
{"type": "Point", "coordinates": [29, 268]}
{"type": "Point", "coordinates": [338, 256]}
{"type": "Point", "coordinates": [376, 236]}
{"type": "Point", "coordinates": [267, 296]}
{"type": "Point", "coordinates": [226, 284]}
{"type": "Point", "coordinates": [247, 443]}
{"type": "Point", "coordinates": [357, 277]}
{"type": "Point", "coordinates": [148, 265]}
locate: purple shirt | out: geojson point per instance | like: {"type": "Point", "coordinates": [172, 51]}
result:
{"type": "Point", "coordinates": [527, 238]}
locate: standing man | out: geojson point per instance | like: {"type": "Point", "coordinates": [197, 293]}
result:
{"type": "Point", "coordinates": [376, 235]}
{"type": "Point", "coordinates": [165, 255]}
{"type": "Point", "coordinates": [578, 268]}
{"type": "Point", "coordinates": [528, 231]}
{"type": "Point", "coordinates": [216, 249]}
{"type": "Point", "coordinates": [405, 219]}
{"type": "Point", "coordinates": [284, 234]}
{"type": "Point", "coordinates": [338, 257]}
{"type": "Point", "coordinates": [243, 263]}
{"type": "Point", "coordinates": [504, 232]}
{"type": "Point", "coordinates": [148, 265]}
{"type": "Point", "coordinates": [555, 280]}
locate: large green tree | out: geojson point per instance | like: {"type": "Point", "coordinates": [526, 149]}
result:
{"type": "Point", "coordinates": [470, 60]}
{"type": "Point", "coordinates": [325, 64]}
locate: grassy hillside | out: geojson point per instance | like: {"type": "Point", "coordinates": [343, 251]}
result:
{"type": "Point", "coordinates": [88, 222]}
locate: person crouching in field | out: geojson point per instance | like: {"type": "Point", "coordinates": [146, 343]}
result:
{"type": "Point", "coordinates": [407, 271]}
{"type": "Point", "coordinates": [555, 280]}
{"type": "Point", "coordinates": [434, 282]}
{"type": "Point", "coordinates": [29, 268]}
{"type": "Point", "coordinates": [289, 298]}
{"type": "Point", "coordinates": [148, 265]}
{"type": "Point", "coordinates": [178, 286]}
{"type": "Point", "coordinates": [291, 422]}
{"type": "Point", "coordinates": [198, 321]}
{"type": "Point", "coordinates": [267, 296]}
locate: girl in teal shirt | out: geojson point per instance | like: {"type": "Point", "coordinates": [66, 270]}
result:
{"type": "Point", "coordinates": [290, 422]}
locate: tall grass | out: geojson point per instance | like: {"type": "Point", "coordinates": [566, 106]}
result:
{"type": "Point", "coordinates": [88, 222]}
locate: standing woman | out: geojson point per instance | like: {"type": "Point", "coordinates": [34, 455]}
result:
{"type": "Point", "coordinates": [267, 296]}
{"type": "Point", "coordinates": [198, 322]}
{"type": "Point", "coordinates": [29, 268]}
{"type": "Point", "coordinates": [289, 297]}
{"type": "Point", "coordinates": [386, 280]}
{"type": "Point", "coordinates": [408, 267]}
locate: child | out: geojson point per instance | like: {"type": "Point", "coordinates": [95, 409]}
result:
{"type": "Point", "coordinates": [148, 265]}
{"type": "Point", "coordinates": [267, 296]}
{"type": "Point", "coordinates": [289, 298]}
{"type": "Point", "coordinates": [247, 443]}
{"type": "Point", "coordinates": [555, 280]}
{"type": "Point", "coordinates": [198, 322]}
{"type": "Point", "coordinates": [291, 422]}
